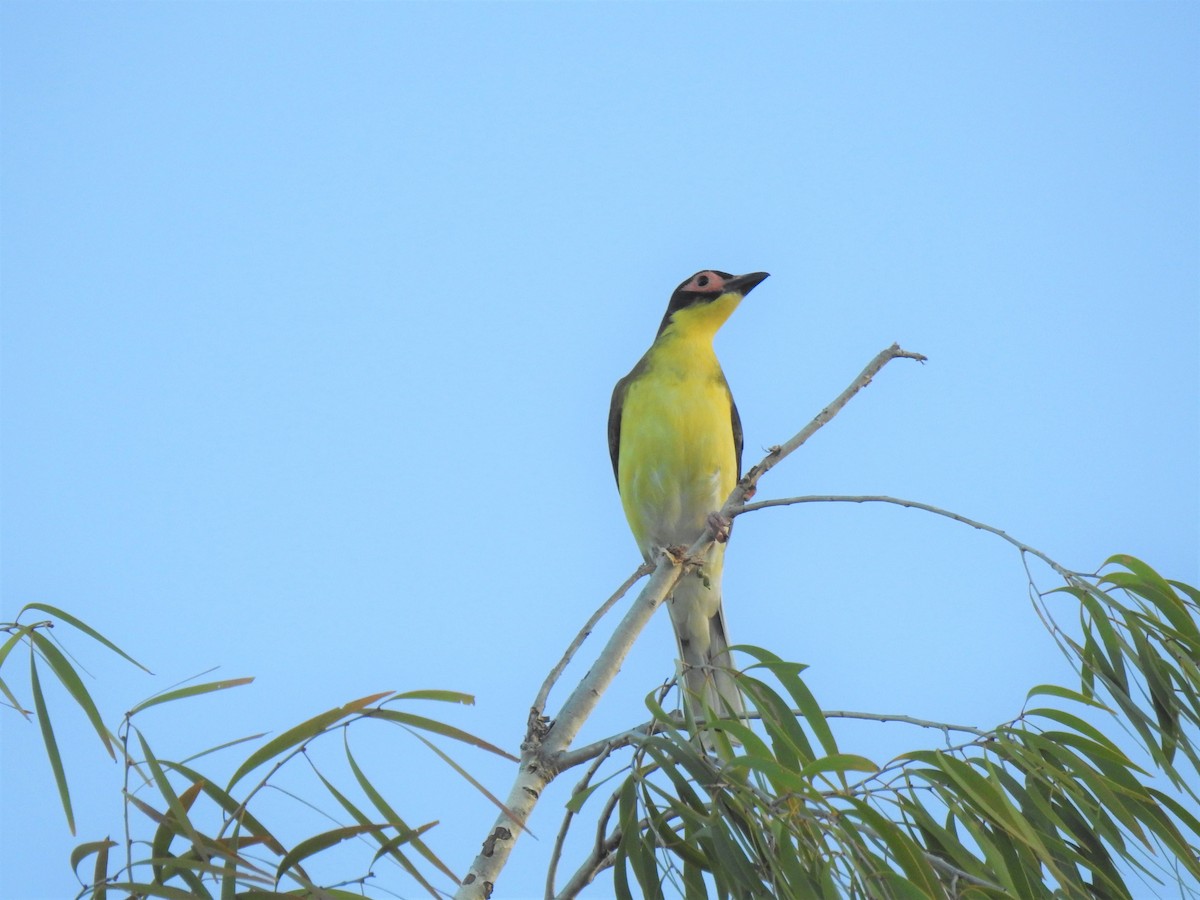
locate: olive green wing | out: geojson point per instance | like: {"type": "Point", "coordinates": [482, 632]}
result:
{"type": "Point", "coordinates": [737, 430]}
{"type": "Point", "coordinates": [614, 420]}
{"type": "Point", "coordinates": [615, 410]}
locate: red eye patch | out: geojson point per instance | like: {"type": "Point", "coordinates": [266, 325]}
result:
{"type": "Point", "coordinates": [706, 282]}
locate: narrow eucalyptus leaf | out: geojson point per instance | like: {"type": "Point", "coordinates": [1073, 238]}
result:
{"type": "Point", "coordinates": [51, 745]}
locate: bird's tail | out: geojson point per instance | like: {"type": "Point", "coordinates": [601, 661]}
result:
{"type": "Point", "coordinates": [704, 646]}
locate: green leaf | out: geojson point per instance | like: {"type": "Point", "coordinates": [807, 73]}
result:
{"type": "Point", "coordinates": [1074, 722]}
{"type": "Point", "coordinates": [440, 696]}
{"type": "Point", "coordinates": [302, 892]}
{"type": "Point", "coordinates": [22, 631]}
{"type": "Point", "coordinates": [671, 753]}
{"type": "Point", "coordinates": [138, 889]}
{"type": "Point", "coordinates": [14, 639]}
{"type": "Point", "coordinates": [70, 679]}
{"type": "Point", "coordinates": [421, 722]}
{"type": "Point", "coordinates": [319, 842]}
{"type": "Point", "coordinates": [633, 848]}
{"type": "Point", "coordinates": [392, 846]}
{"type": "Point", "coordinates": [789, 743]}
{"type": "Point", "coordinates": [100, 871]}
{"type": "Point", "coordinates": [379, 835]}
{"type": "Point", "coordinates": [12, 699]}
{"type": "Point", "coordinates": [43, 717]}
{"type": "Point", "coordinates": [1192, 594]}
{"type": "Point", "coordinates": [1053, 690]}
{"type": "Point", "coordinates": [469, 778]}
{"type": "Point", "coordinates": [191, 691]}
{"type": "Point", "coordinates": [1157, 821]}
{"type": "Point", "coordinates": [783, 781]}
{"type": "Point", "coordinates": [903, 850]}
{"type": "Point", "coordinates": [942, 842]}
{"type": "Point", "coordinates": [838, 762]}
{"type": "Point", "coordinates": [180, 823]}
{"type": "Point", "coordinates": [989, 799]}
{"type": "Point", "coordinates": [789, 676]}
{"type": "Point", "coordinates": [579, 799]}
{"type": "Point", "coordinates": [1178, 810]}
{"type": "Point", "coordinates": [378, 801]}
{"type": "Point", "coordinates": [160, 846]}
{"type": "Point", "coordinates": [218, 747]}
{"type": "Point", "coordinates": [188, 868]}
{"type": "Point", "coordinates": [1095, 602]}
{"type": "Point", "coordinates": [229, 879]}
{"type": "Point", "coordinates": [83, 851]}
{"type": "Point", "coordinates": [301, 733]}
{"type": "Point", "coordinates": [79, 624]}
{"type": "Point", "coordinates": [232, 808]}
{"type": "Point", "coordinates": [1147, 583]}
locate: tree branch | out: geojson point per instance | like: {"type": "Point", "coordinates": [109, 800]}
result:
{"type": "Point", "coordinates": [542, 745]}
{"type": "Point", "coordinates": [907, 720]}
{"type": "Point", "coordinates": [568, 759]}
{"type": "Point", "coordinates": [1067, 575]}
{"type": "Point", "coordinates": [775, 455]}
{"type": "Point", "coordinates": [536, 768]}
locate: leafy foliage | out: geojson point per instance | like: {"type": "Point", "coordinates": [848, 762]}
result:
{"type": "Point", "coordinates": [1045, 805]}
{"type": "Point", "coordinates": [1089, 792]}
{"type": "Point", "coordinates": [198, 838]}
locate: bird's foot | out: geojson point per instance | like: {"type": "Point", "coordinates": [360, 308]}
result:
{"type": "Point", "coordinates": [677, 555]}
{"type": "Point", "coordinates": [720, 526]}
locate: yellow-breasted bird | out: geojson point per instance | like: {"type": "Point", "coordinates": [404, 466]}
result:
{"type": "Point", "coordinates": [676, 445]}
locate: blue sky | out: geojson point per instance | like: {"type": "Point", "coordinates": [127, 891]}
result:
{"type": "Point", "coordinates": [311, 314]}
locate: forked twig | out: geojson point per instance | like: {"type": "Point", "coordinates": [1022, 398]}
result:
{"type": "Point", "coordinates": [539, 702]}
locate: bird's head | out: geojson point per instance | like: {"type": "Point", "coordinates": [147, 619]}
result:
{"type": "Point", "coordinates": [704, 301]}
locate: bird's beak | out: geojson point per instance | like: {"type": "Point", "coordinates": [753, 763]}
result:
{"type": "Point", "coordinates": [744, 284]}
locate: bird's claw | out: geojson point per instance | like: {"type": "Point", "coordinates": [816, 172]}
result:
{"type": "Point", "coordinates": [720, 526]}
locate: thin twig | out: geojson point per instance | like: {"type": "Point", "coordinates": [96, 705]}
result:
{"type": "Point", "coordinates": [777, 454]}
{"type": "Point", "coordinates": [588, 871]}
{"type": "Point", "coordinates": [552, 869]}
{"type": "Point", "coordinates": [568, 759]}
{"type": "Point", "coordinates": [900, 765]}
{"type": "Point", "coordinates": [128, 764]}
{"type": "Point", "coordinates": [603, 852]}
{"type": "Point", "coordinates": [1069, 576]}
{"type": "Point", "coordinates": [908, 720]}
{"type": "Point", "coordinates": [938, 863]}
{"type": "Point", "coordinates": [539, 702]}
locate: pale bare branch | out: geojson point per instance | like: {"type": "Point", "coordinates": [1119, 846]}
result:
{"type": "Point", "coordinates": [1066, 574]}
{"type": "Point", "coordinates": [545, 742]}
{"type": "Point", "coordinates": [776, 455]}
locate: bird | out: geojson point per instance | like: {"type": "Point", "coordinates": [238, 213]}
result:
{"type": "Point", "coordinates": [675, 438]}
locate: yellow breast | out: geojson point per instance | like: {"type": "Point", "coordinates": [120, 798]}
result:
{"type": "Point", "coordinates": [678, 461]}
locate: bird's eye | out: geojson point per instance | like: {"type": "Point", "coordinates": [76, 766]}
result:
{"type": "Point", "coordinates": [702, 281]}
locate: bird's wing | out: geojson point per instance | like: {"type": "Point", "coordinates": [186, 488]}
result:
{"type": "Point", "coordinates": [737, 432]}
{"type": "Point", "coordinates": [617, 407]}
